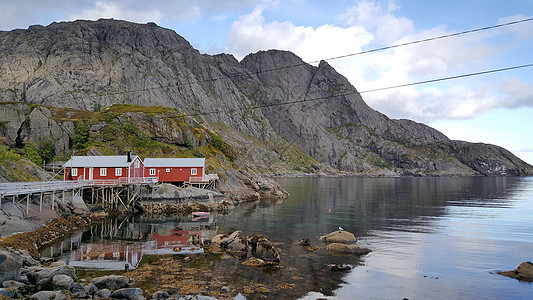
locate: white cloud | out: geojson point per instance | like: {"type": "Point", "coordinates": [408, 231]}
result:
{"type": "Point", "coordinates": [374, 16]}
{"type": "Point", "coordinates": [250, 34]}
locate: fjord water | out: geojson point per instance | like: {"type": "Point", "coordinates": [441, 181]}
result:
{"type": "Point", "coordinates": [432, 238]}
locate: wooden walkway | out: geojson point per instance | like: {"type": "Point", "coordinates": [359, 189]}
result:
{"type": "Point", "coordinates": [15, 190]}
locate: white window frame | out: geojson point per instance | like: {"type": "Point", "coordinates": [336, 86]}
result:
{"type": "Point", "coordinates": [103, 172]}
{"type": "Point", "coordinates": [168, 170]}
{"type": "Point", "coordinates": [137, 164]}
{"type": "Point", "coordinates": [73, 171]}
{"type": "Point", "coordinates": [118, 171]}
{"type": "Point", "coordinates": [152, 172]}
{"type": "Point", "coordinates": [194, 171]}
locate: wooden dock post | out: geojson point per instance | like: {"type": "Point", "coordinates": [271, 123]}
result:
{"type": "Point", "coordinates": [41, 203]}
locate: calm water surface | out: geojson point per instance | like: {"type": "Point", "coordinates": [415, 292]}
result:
{"type": "Point", "coordinates": [432, 238]}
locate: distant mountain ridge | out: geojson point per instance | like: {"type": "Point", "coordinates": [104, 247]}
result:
{"type": "Point", "coordinates": [90, 64]}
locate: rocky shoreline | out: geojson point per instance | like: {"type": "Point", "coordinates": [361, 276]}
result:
{"type": "Point", "coordinates": [24, 275]}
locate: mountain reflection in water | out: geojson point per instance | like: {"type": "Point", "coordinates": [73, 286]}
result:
{"type": "Point", "coordinates": [431, 237]}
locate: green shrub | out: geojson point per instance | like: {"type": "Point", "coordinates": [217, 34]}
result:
{"type": "Point", "coordinates": [30, 152]}
{"type": "Point", "coordinates": [81, 135]}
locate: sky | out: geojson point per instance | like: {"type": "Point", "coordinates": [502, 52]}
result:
{"type": "Point", "coordinates": [496, 108]}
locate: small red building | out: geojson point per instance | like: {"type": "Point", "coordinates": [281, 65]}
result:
{"type": "Point", "coordinates": [103, 167]}
{"type": "Point", "coordinates": [174, 169]}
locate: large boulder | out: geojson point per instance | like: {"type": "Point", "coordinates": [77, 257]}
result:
{"type": "Point", "coordinates": [219, 239]}
{"type": "Point", "coordinates": [10, 265]}
{"type": "Point", "coordinates": [111, 282]}
{"type": "Point", "coordinates": [62, 282]}
{"type": "Point", "coordinates": [263, 248]}
{"type": "Point", "coordinates": [236, 242]}
{"type": "Point", "coordinates": [43, 277]}
{"type": "Point", "coordinates": [350, 249]}
{"type": "Point", "coordinates": [523, 272]}
{"type": "Point", "coordinates": [339, 236]}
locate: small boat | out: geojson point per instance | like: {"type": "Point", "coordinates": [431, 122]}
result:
{"type": "Point", "coordinates": [200, 213]}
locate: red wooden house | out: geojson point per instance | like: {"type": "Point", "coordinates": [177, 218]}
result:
{"type": "Point", "coordinates": [174, 169]}
{"type": "Point", "coordinates": [103, 167]}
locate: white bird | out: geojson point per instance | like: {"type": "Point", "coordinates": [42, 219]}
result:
{"type": "Point", "coordinates": [340, 228]}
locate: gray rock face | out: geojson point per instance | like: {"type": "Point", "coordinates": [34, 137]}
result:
{"type": "Point", "coordinates": [276, 111]}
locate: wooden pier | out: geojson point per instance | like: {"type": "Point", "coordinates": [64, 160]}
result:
{"type": "Point", "coordinates": [110, 194]}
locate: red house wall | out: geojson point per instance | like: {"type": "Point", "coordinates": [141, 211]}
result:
{"type": "Point", "coordinates": [176, 174]}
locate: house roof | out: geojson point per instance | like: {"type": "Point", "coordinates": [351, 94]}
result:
{"type": "Point", "coordinates": [99, 161]}
{"type": "Point", "coordinates": [174, 162]}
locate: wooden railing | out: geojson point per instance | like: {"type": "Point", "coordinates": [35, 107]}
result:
{"type": "Point", "coordinates": [19, 188]}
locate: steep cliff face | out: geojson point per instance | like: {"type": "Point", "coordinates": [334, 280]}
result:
{"type": "Point", "coordinates": [278, 113]}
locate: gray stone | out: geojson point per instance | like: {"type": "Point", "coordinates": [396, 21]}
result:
{"type": "Point", "coordinates": [111, 282]}
{"type": "Point", "coordinates": [62, 282]}
{"type": "Point", "coordinates": [90, 289]}
{"type": "Point", "coordinates": [44, 276]}
{"type": "Point", "coordinates": [339, 236]}
{"type": "Point", "coordinates": [7, 292]}
{"type": "Point", "coordinates": [10, 266]}
{"type": "Point", "coordinates": [47, 295]}
{"type": "Point", "coordinates": [160, 295]}
{"type": "Point", "coordinates": [267, 250]}
{"type": "Point", "coordinates": [127, 293]}
{"type": "Point", "coordinates": [102, 294]}
{"type": "Point", "coordinates": [13, 284]}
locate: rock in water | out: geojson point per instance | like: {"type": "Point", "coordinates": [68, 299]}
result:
{"type": "Point", "coordinates": [523, 272]}
{"type": "Point", "coordinates": [343, 248]}
{"type": "Point", "coordinates": [339, 236]}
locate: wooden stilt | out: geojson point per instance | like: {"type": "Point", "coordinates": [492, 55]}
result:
{"type": "Point", "coordinates": [28, 204]}
{"type": "Point", "coordinates": [41, 202]}
{"type": "Point", "coordinates": [53, 199]}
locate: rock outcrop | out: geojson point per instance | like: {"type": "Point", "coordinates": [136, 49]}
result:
{"type": "Point", "coordinates": [523, 272]}
{"type": "Point", "coordinates": [277, 113]}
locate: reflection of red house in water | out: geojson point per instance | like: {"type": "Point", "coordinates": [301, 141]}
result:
{"type": "Point", "coordinates": [109, 251]}
{"type": "Point", "coordinates": [115, 254]}
{"type": "Point", "coordinates": [174, 237]}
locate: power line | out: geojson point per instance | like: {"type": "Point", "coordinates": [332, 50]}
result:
{"type": "Point", "coordinates": [428, 39]}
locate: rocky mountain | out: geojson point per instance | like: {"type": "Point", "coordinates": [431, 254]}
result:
{"type": "Point", "coordinates": [277, 113]}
